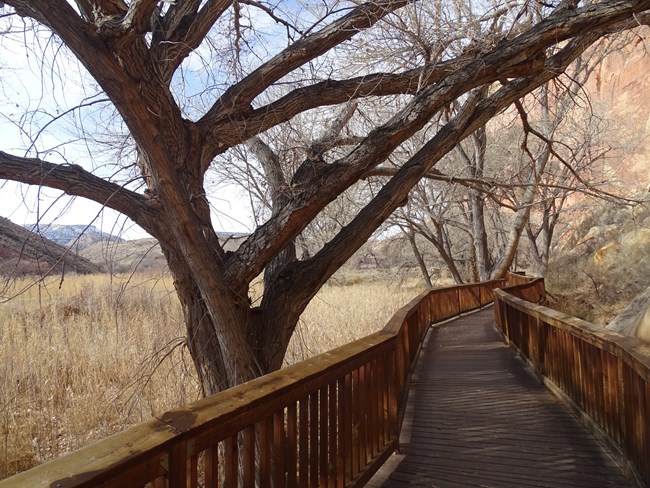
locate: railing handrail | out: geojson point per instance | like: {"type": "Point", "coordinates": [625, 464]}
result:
{"type": "Point", "coordinates": [165, 450]}
{"type": "Point", "coordinates": [603, 374]}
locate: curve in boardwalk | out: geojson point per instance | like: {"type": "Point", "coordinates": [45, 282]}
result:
{"type": "Point", "coordinates": [476, 417]}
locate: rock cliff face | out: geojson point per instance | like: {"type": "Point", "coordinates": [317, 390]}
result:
{"type": "Point", "coordinates": [634, 320]}
{"type": "Point", "coordinates": [620, 87]}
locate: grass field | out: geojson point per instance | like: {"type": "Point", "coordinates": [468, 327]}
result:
{"type": "Point", "coordinates": [90, 356]}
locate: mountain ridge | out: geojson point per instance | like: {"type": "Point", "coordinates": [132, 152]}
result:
{"type": "Point", "coordinates": [23, 252]}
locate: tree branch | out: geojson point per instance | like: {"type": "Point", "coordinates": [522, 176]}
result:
{"type": "Point", "coordinates": [595, 191]}
{"type": "Point", "coordinates": [74, 180]}
{"type": "Point", "coordinates": [484, 186]}
{"type": "Point", "coordinates": [323, 188]}
{"type": "Point", "coordinates": [297, 54]}
{"type": "Point", "coordinates": [183, 30]}
{"type": "Point", "coordinates": [269, 11]}
{"type": "Point", "coordinates": [138, 17]}
{"type": "Point", "coordinates": [272, 169]}
{"type": "Point", "coordinates": [351, 237]}
{"type": "Point", "coordinates": [86, 9]}
{"type": "Point", "coordinates": [518, 57]}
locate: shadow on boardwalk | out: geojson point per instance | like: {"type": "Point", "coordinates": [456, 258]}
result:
{"type": "Point", "coordinates": [476, 417]}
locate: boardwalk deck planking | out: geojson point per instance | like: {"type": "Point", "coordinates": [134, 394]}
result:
{"type": "Point", "coordinates": [476, 417]}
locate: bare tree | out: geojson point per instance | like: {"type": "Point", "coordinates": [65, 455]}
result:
{"type": "Point", "coordinates": [510, 171]}
{"type": "Point", "coordinates": [136, 52]}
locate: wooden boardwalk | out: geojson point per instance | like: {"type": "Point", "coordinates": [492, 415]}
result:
{"type": "Point", "coordinates": [476, 417]}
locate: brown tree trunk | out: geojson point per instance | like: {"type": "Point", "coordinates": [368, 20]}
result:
{"type": "Point", "coordinates": [410, 234]}
{"type": "Point", "coordinates": [480, 238]}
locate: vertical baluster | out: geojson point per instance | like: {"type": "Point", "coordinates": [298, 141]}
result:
{"type": "Point", "coordinates": [354, 381]}
{"type": "Point", "coordinates": [376, 406]}
{"type": "Point", "coordinates": [609, 392]}
{"type": "Point", "coordinates": [341, 435]}
{"type": "Point", "coordinates": [641, 411]}
{"type": "Point", "coordinates": [379, 405]}
{"type": "Point", "coordinates": [597, 378]}
{"type": "Point", "coordinates": [303, 433]}
{"type": "Point", "coordinates": [177, 474]}
{"type": "Point", "coordinates": [376, 409]}
{"type": "Point", "coordinates": [363, 417]}
{"type": "Point", "coordinates": [622, 401]}
{"type": "Point", "coordinates": [230, 462]}
{"type": "Point", "coordinates": [644, 467]}
{"type": "Point", "coordinates": [573, 363]}
{"type": "Point", "coordinates": [323, 430]}
{"type": "Point", "coordinates": [389, 360]}
{"type": "Point", "coordinates": [541, 346]}
{"type": "Point", "coordinates": [578, 348]}
{"type": "Point", "coordinates": [279, 469]}
{"type": "Point", "coordinates": [193, 472]}
{"type": "Point", "coordinates": [333, 475]}
{"type": "Point", "coordinates": [554, 355]}
{"type": "Point", "coordinates": [292, 446]}
{"type": "Point", "coordinates": [266, 429]}
{"type": "Point", "coordinates": [595, 383]}
{"type": "Point", "coordinates": [384, 401]}
{"type": "Point", "coordinates": [212, 467]}
{"type": "Point", "coordinates": [313, 439]}
{"type": "Point", "coordinates": [367, 428]}
{"type": "Point", "coordinates": [248, 468]}
{"type": "Point", "coordinates": [561, 359]}
{"type": "Point", "coordinates": [372, 410]}
{"type": "Point", "coordinates": [398, 366]}
{"type": "Point", "coordinates": [347, 426]}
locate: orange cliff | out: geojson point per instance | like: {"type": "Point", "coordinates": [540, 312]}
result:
{"type": "Point", "coordinates": [621, 87]}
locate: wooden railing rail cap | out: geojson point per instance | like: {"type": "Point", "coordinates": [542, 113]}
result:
{"type": "Point", "coordinates": [396, 322]}
{"type": "Point", "coordinates": [98, 461]}
{"type": "Point", "coordinates": [222, 415]}
{"type": "Point", "coordinates": [634, 351]}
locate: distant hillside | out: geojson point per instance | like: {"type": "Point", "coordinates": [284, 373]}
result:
{"type": "Point", "coordinates": [127, 256]}
{"type": "Point", "coordinates": [23, 252]}
{"type": "Point", "coordinates": [77, 236]}
{"type": "Point", "coordinates": [142, 254]}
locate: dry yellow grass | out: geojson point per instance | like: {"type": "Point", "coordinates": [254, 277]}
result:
{"type": "Point", "coordinates": [341, 314]}
{"type": "Point", "coordinates": [88, 357]}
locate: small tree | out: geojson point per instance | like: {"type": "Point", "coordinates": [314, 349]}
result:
{"type": "Point", "coordinates": [140, 53]}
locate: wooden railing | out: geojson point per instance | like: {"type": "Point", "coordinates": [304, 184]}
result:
{"type": "Point", "coordinates": [605, 376]}
{"type": "Point", "coordinates": [328, 421]}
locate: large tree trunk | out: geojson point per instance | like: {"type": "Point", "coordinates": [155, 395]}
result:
{"type": "Point", "coordinates": [202, 340]}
